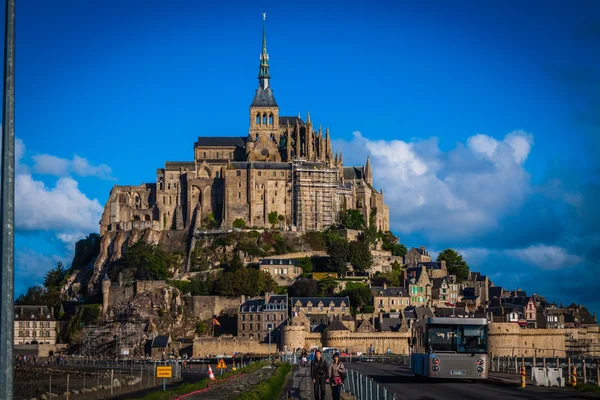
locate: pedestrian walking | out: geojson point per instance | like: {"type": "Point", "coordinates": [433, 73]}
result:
{"type": "Point", "coordinates": [318, 373]}
{"type": "Point", "coordinates": [336, 374]}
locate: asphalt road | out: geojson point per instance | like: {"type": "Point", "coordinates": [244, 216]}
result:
{"type": "Point", "coordinates": [400, 380]}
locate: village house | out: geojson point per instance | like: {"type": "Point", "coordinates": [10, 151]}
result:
{"type": "Point", "coordinates": [283, 270]}
{"type": "Point", "coordinates": [419, 286]}
{"type": "Point", "coordinates": [435, 269]}
{"type": "Point", "coordinates": [444, 291]}
{"type": "Point", "coordinates": [258, 317]}
{"type": "Point", "coordinates": [390, 299]}
{"type": "Point", "coordinates": [416, 256]}
{"type": "Point", "coordinates": [34, 325]}
{"type": "Point", "coordinates": [333, 306]}
{"type": "Point", "coordinates": [481, 284]}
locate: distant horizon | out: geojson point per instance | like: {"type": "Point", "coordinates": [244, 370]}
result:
{"type": "Point", "coordinates": [478, 119]}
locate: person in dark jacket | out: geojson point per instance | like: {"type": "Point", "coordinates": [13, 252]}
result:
{"type": "Point", "coordinates": [319, 373]}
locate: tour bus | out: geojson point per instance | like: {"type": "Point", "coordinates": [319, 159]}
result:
{"type": "Point", "coordinates": [450, 348]}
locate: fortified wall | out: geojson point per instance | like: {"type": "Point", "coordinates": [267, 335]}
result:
{"type": "Point", "coordinates": [227, 344]}
{"type": "Point", "coordinates": [507, 339]}
{"type": "Point", "coordinates": [204, 307]}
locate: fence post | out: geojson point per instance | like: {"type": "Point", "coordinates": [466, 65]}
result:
{"type": "Point", "coordinates": [584, 371]}
{"type": "Point", "coordinates": [67, 386]}
{"type": "Point", "coordinates": [569, 377]}
{"type": "Point", "coordinates": [111, 381]}
{"type": "Point", "coordinates": [598, 372]}
{"type": "Point", "coordinates": [544, 362]}
{"type": "Point", "coordinates": [50, 386]}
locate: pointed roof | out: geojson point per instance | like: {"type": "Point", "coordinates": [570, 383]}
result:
{"type": "Point", "coordinates": [368, 171]}
{"type": "Point", "coordinates": [105, 278]}
{"type": "Point", "coordinates": [264, 95]}
{"type": "Point", "coordinates": [336, 325]}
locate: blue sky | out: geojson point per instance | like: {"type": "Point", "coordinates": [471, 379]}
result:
{"type": "Point", "coordinates": [479, 116]}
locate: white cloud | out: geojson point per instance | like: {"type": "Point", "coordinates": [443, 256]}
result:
{"type": "Point", "coordinates": [546, 257]}
{"type": "Point", "coordinates": [63, 209]}
{"type": "Point", "coordinates": [447, 195]}
{"type": "Point", "coordinates": [52, 165]}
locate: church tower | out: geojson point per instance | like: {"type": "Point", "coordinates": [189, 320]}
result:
{"type": "Point", "coordinates": [264, 112]}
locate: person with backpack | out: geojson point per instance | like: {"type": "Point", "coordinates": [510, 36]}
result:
{"type": "Point", "coordinates": [336, 374]}
{"type": "Point", "coordinates": [318, 373]}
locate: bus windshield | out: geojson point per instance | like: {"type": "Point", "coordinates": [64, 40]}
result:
{"type": "Point", "coordinates": [457, 338]}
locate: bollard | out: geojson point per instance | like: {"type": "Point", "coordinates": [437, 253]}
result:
{"type": "Point", "coordinates": [67, 386]}
{"type": "Point", "coordinates": [523, 376]}
{"type": "Point", "coordinates": [574, 376]}
{"type": "Point", "coordinates": [569, 370]}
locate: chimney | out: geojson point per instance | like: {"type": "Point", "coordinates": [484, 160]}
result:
{"type": "Point", "coordinates": [423, 248]}
{"type": "Point", "coordinates": [267, 297]}
{"type": "Point", "coordinates": [443, 262]}
{"type": "Point", "coordinates": [384, 285]}
{"type": "Point", "coordinates": [369, 284]}
{"type": "Point", "coordinates": [242, 299]}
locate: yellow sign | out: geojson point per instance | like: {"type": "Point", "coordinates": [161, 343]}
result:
{"type": "Point", "coordinates": [164, 372]}
{"type": "Point", "coordinates": [221, 364]}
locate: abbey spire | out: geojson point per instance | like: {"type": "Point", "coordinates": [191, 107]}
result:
{"type": "Point", "coordinates": [263, 75]}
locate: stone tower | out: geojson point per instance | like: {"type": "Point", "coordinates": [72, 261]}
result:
{"type": "Point", "coordinates": [105, 293]}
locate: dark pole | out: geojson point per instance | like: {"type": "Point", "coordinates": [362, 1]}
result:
{"type": "Point", "coordinates": [7, 204]}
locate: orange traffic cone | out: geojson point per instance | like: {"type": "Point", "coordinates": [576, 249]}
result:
{"type": "Point", "coordinates": [211, 376]}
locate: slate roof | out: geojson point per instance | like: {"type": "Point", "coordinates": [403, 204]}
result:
{"type": "Point", "coordinates": [160, 341]}
{"type": "Point", "coordinates": [292, 120]}
{"type": "Point", "coordinates": [336, 325]}
{"type": "Point", "coordinates": [279, 261]}
{"type": "Point", "coordinates": [390, 324]}
{"type": "Point", "coordinates": [390, 291]}
{"type": "Point", "coordinates": [430, 265]}
{"type": "Point", "coordinates": [495, 291]}
{"type": "Point", "coordinates": [263, 98]}
{"type": "Point", "coordinates": [337, 301]}
{"type": "Point", "coordinates": [423, 312]}
{"type": "Point", "coordinates": [449, 312]}
{"type": "Point", "coordinates": [419, 250]}
{"type": "Point", "coordinates": [258, 305]}
{"type": "Point", "coordinates": [219, 141]}
{"type": "Point", "coordinates": [353, 173]}
{"type": "Point", "coordinates": [33, 313]}
{"type": "Point", "coordinates": [175, 165]}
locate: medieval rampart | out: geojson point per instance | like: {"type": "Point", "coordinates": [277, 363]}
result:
{"type": "Point", "coordinates": [229, 344]}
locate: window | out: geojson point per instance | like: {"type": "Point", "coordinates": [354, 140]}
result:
{"type": "Point", "coordinates": [231, 155]}
{"type": "Point", "coordinates": [239, 195]}
{"type": "Point", "coordinates": [204, 154]}
{"type": "Point", "coordinates": [243, 317]}
{"type": "Point", "coordinates": [268, 317]}
{"type": "Point", "coordinates": [238, 173]}
{"type": "Point", "coordinates": [270, 119]}
{"type": "Point", "coordinates": [274, 173]}
{"type": "Point", "coordinates": [169, 186]}
{"type": "Point", "coordinates": [282, 173]}
{"type": "Point", "coordinates": [264, 119]}
{"type": "Point", "coordinates": [320, 308]}
{"type": "Point", "coordinates": [259, 173]}
{"type": "Point", "coordinates": [239, 184]}
{"type": "Point", "coordinates": [421, 289]}
{"type": "Point", "coordinates": [309, 308]}
{"type": "Point", "coordinates": [257, 121]}
{"type": "Point", "coordinates": [251, 318]}
{"type": "Point", "coordinates": [217, 154]}
{"type": "Point", "coordinates": [262, 197]}
{"type": "Point", "coordinates": [243, 327]}
{"type": "Point", "coordinates": [393, 301]}
{"type": "Point", "coordinates": [250, 326]}
{"type": "Point", "coordinates": [174, 186]}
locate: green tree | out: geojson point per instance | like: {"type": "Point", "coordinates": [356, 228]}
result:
{"type": "Point", "coordinates": [455, 264]}
{"type": "Point", "coordinates": [210, 222]}
{"type": "Point", "coordinates": [55, 277]}
{"type": "Point", "coordinates": [236, 262]}
{"type": "Point", "coordinates": [239, 223]}
{"type": "Point", "coordinates": [327, 286]}
{"type": "Point", "coordinates": [359, 295]}
{"type": "Point", "coordinates": [338, 252]}
{"type": "Point", "coordinates": [306, 264]}
{"type": "Point", "coordinates": [316, 240]}
{"type": "Point", "coordinates": [149, 261]}
{"type": "Point", "coordinates": [245, 281]}
{"type": "Point", "coordinates": [272, 218]}
{"type": "Point", "coordinates": [200, 286]}
{"type": "Point", "coordinates": [359, 255]}
{"type": "Point", "coordinates": [352, 219]}
{"type": "Point", "coordinates": [399, 250]}
{"type": "Point", "coordinates": [201, 328]}
{"type": "Point", "coordinates": [303, 287]}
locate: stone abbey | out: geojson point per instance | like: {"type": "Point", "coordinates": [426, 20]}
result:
{"type": "Point", "coordinates": [282, 165]}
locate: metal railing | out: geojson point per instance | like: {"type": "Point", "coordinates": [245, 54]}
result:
{"type": "Point", "coordinates": [364, 388]}
{"type": "Point", "coordinates": [588, 369]}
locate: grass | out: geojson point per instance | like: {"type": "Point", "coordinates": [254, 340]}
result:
{"type": "Point", "coordinates": [185, 388]}
{"type": "Point", "coordinates": [269, 389]}
{"type": "Point", "coordinates": [588, 387]}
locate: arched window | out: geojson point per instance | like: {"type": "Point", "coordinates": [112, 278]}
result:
{"type": "Point", "coordinates": [270, 119]}
{"type": "Point", "coordinates": [264, 118]}
{"type": "Point", "coordinates": [257, 119]}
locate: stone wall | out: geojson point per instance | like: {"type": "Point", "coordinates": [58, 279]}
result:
{"type": "Point", "coordinates": [204, 307]}
{"type": "Point", "coordinates": [227, 344]}
{"type": "Point", "coordinates": [507, 339]}
{"type": "Point", "coordinates": [39, 350]}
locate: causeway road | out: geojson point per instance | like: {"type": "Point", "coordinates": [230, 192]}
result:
{"type": "Point", "coordinates": [400, 380]}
